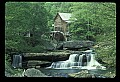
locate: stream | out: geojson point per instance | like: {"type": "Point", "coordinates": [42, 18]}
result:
{"type": "Point", "coordinates": [76, 63]}
{"type": "Point", "coordinates": [65, 72]}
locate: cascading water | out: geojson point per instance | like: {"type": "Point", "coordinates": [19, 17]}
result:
{"type": "Point", "coordinates": [79, 61]}
{"type": "Point", "coordinates": [17, 61]}
{"type": "Point", "coordinates": [93, 64]}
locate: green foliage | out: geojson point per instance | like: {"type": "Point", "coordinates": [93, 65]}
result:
{"type": "Point", "coordinates": [37, 49]}
{"type": "Point", "coordinates": [93, 18]}
{"type": "Point", "coordinates": [97, 22]}
{"type": "Point", "coordinates": [9, 70]}
{"type": "Point", "coordinates": [21, 17]}
{"type": "Point", "coordinates": [107, 48]}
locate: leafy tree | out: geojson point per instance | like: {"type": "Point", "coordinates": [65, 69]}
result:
{"type": "Point", "coordinates": [21, 17]}
{"type": "Point", "coordinates": [65, 7]}
{"type": "Point", "coordinates": [96, 21]}
{"type": "Point", "coordinates": [93, 17]}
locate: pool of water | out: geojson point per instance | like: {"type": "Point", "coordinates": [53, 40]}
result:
{"type": "Point", "coordinates": [65, 72]}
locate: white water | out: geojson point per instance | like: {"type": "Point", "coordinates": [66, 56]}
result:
{"type": "Point", "coordinates": [17, 61]}
{"type": "Point", "coordinates": [77, 61]}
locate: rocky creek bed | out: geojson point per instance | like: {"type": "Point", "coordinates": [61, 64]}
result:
{"type": "Point", "coordinates": [66, 73]}
{"type": "Point", "coordinates": [35, 61]}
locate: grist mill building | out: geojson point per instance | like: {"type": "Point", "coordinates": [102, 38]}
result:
{"type": "Point", "coordinates": [61, 24]}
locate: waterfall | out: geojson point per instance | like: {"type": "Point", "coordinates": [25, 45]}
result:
{"type": "Point", "coordinates": [93, 64]}
{"type": "Point", "coordinates": [81, 61]}
{"type": "Point", "coordinates": [17, 61]}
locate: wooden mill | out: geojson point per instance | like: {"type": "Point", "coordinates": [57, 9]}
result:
{"type": "Point", "coordinates": [61, 26]}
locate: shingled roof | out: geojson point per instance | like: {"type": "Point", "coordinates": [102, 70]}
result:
{"type": "Point", "coordinates": [65, 16]}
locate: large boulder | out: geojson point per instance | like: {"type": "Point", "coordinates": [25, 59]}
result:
{"type": "Point", "coordinates": [78, 44]}
{"type": "Point", "coordinates": [49, 46]}
{"type": "Point", "coordinates": [87, 74]}
{"type": "Point", "coordinates": [81, 74]}
{"type": "Point", "coordinates": [59, 46]}
{"type": "Point", "coordinates": [49, 56]}
{"type": "Point", "coordinates": [32, 72]}
{"type": "Point", "coordinates": [43, 59]}
{"type": "Point", "coordinates": [38, 64]}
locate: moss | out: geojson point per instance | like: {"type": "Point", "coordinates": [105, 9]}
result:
{"type": "Point", "coordinates": [109, 74]}
{"type": "Point", "coordinates": [10, 71]}
{"type": "Point", "coordinates": [47, 53]}
{"type": "Point", "coordinates": [81, 74]}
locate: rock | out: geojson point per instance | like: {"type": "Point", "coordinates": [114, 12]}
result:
{"type": "Point", "coordinates": [37, 67]}
{"type": "Point", "coordinates": [78, 44]}
{"type": "Point", "coordinates": [32, 72]}
{"type": "Point", "coordinates": [59, 46]}
{"type": "Point", "coordinates": [7, 74]}
{"type": "Point", "coordinates": [49, 46]}
{"type": "Point", "coordinates": [49, 56]}
{"type": "Point", "coordinates": [88, 51]}
{"type": "Point", "coordinates": [109, 75]}
{"type": "Point", "coordinates": [43, 59]}
{"type": "Point", "coordinates": [81, 74]}
{"type": "Point", "coordinates": [37, 63]}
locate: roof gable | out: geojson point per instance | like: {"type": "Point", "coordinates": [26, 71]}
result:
{"type": "Point", "coordinates": [64, 16]}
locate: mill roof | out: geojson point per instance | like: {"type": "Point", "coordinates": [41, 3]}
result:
{"type": "Point", "coordinates": [65, 16]}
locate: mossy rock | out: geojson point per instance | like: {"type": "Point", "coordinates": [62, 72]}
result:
{"type": "Point", "coordinates": [81, 74]}
{"type": "Point", "coordinates": [32, 72]}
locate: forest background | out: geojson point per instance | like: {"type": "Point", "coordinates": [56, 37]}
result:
{"type": "Point", "coordinates": [96, 21]}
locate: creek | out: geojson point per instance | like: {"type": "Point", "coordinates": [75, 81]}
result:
{"type": "Point", "coordinates": [75, 64]}
{"type": "Point", "coordinates": [65, 72]}
{"type": "Point", "coordinates": [86, 60]}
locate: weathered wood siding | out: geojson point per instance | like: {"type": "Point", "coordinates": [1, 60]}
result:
{"type": "Point", "coordinates": [58, 21]}
{"type": "Point", "coordinates": [60, 25]}
{"type": "Point", "coordinates": [64, 25]}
